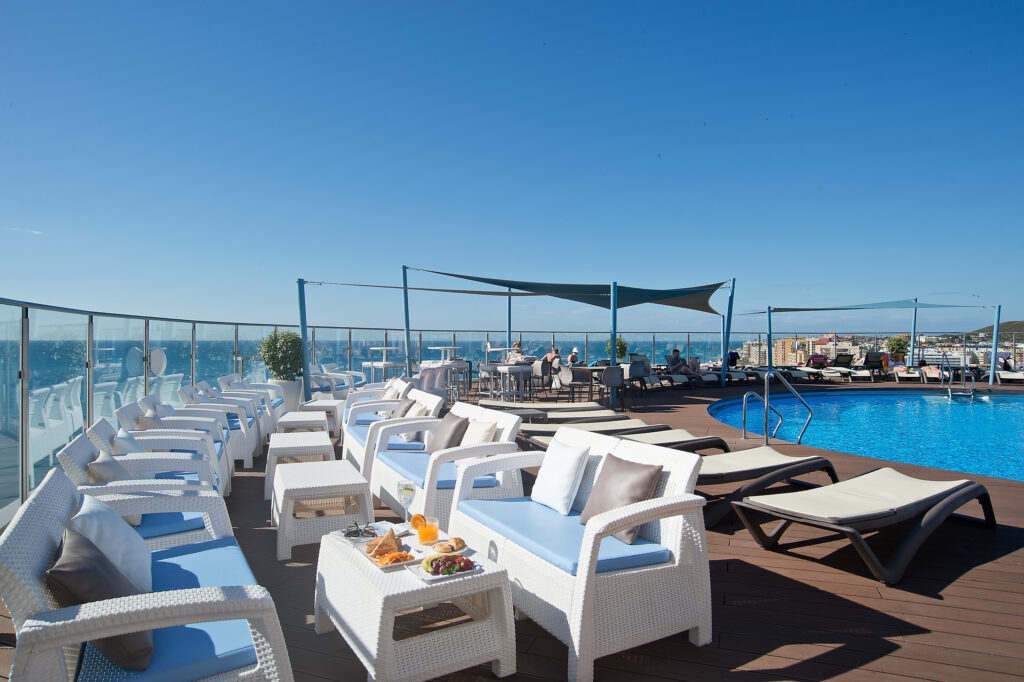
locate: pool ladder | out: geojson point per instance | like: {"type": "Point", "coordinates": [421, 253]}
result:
{"type": "Point", "coordinates": [968, 391]}
{"type": "Point", "coordinates": [766, 400]}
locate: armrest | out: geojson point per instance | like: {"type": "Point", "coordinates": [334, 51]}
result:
{"type": "Point", "coordinates": [182, 500]}
{"type": "Point", "coordinates": [252, 401]}
{"type": "Point", "coordinates": [164, 440]}
{"type": "Point", "coordinates": [631, 515]}
{"type": "Point", "coordinates": [269, 388]}
{"type": "Point", "coordinates": [492, 465]}
{"type": "Point", "coordinates": [206, 417]}
{"type": "Point", "coordinates": [364, 406]}
{"type": "Point", "coordinates": [462, 452]}
{"type": "Point", "coordinates": [362, 395]}
{"type": "Point", "coordinates": [226, 408]}
{"type": "Point", "coordinates": [152, 610]}
{"type": "Point", "coordinates": [141, 485]}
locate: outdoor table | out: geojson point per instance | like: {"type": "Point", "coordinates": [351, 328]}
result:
{"type": "Point", "coordinates": [300, 446]}
{"type": "Point", "coordinates": [447, 352]}
{"type": "Point", "coordinates": [594, 372]}
{"type": "Point", "coordinates": [302, 420]}
{"type": "Point", "coordinates": [383, 365]}
{"type": "Point", "coordinates": [312, 499]}
{"type": "Point", "coordinates": [361, 601]}
{"type": "Point", "coordinates": [334, 409]}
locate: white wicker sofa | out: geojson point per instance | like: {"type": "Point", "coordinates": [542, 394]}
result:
{"type": "Point", "coordinates": [242, 414]}
{"type": "Point", "coordinates": [198, 421]}
{"type": "Point", "coordinates": [257, 416]}
{"type": "Point", "coordinates": [271, 395]}
{"type": "Point", "coordinates": [359, 437]}
{"type": "Point", "coordinates": [433, 473]}
{"type": "Point", "coordinates": [594, 593]}
{"type": "Point", "coordinates": [233, 631]}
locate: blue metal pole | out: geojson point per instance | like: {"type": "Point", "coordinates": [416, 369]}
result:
{"type": "Point", "coordinates": [615, 334]}
{"type": "Point", "coordinates": [307, 389]}
{"type": "Point", "coordinates": [769, 339]}
{"type": "Point", "coordinates": [408, 332]}
{"type": "Point", "coordinates": [995, 348]}
{"type": "Point", "coordinates": [913, 338]}
{"type": "Point", "coordinates": [508, 328]}
{"type": "Point", "coordinates": [727, 320]}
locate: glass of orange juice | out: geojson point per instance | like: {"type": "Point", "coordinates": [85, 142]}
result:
{"type": "Point", "coordinates": [428, 531]}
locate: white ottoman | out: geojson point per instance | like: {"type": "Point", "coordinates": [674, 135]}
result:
{"type": "Point", "coordinates": [301, 446]}
{"type": "Point", "coordinates": [334, 409]}
{"type": "Point", "coordinates": [302, 420]}
{"type": "Point", "coordinates": [312, 499]}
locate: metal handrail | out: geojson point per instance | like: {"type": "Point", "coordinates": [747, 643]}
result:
{"type": "Point", "coordinates": [943, 366]}
{"type": "Point", "coordinates": [767, 382]}
{"type": "Point", "coordinates": [767, 407]}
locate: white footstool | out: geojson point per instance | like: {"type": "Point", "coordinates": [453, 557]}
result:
{"type": "Point", "coordinates": [302, 420]}
{"type": "Point", "coordinates": [334, 409]}
{"type": "Point", "coordinates": [302, 446]}
{"type": "Point", "coordinates": [312, 499]}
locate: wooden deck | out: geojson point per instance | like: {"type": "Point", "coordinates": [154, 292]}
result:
{"type": "Point", "coordinates": [809, 612]}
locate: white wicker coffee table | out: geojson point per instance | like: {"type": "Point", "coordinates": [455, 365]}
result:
{"type": "Point", "coordinates": [361, 601]}
{"type": "Point", "coordinates": [311, 499]}
{"type": "Point", "coordinates": [302, 420]}
{"type": "Point", "coordinates": [334, 409]}
{"type": "Point", "coordinates": [300, 446]}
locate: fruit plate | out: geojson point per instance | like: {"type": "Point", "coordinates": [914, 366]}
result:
{"type": "Point", "coordinates": [417, 570]}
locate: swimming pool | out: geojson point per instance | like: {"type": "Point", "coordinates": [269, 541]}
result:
{"type": "Point", "coordinates": [984, 437]}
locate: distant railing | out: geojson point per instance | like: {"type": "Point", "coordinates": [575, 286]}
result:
{"type": "Point", "coordinates": [62, 369]}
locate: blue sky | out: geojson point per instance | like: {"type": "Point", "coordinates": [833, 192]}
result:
{"type": "Point", "coordinates": [193, 159]}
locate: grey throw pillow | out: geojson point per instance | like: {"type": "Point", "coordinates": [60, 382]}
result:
{"type": "Point", "coordinates": [403, 407]}
{"type": "Point", "coordinates": [81, 574]}
{"type": "Point", "coordinates": [449, 433]}
{"type": "Point", "coordinates": [621, 482]}
{"type": "Point", "coordinates": [105, 469]}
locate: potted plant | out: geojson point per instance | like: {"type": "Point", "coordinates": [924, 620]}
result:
{"type": "Point", "coordinates": [620, 347]}
{"type": "Point", "coordinates": [281, 352]}
{"type": "Point", "coordinates": [896, 347]}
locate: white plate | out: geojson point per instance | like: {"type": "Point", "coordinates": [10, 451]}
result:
{"type": "Point", "coordinates": [417, 570]}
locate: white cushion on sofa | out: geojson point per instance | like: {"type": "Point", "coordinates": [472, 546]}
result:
{"type": "Point", "coordinates": [560, 476]}
{"type": "Point", "coordinates": [479, 432]}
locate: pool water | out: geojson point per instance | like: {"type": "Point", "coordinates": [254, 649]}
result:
{"type": "Point", "coordinates": [984, 436]}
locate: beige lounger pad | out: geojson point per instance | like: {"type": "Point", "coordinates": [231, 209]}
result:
{"type": "Point", "coordinates": [593, 427]}
{"type": "Point", "coordinates": [874, 495]}
{"type": "Point", "coordinates": [563, 415]}
{"type": "Point", "coordinates": [746, 460]}
{"type": "Point", "coordinates": [504, 405]}
{"type": "Point", "coordinates": [661, 437]}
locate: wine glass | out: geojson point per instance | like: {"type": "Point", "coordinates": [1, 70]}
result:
{"type": "Point", "coordinates": [406, 492]}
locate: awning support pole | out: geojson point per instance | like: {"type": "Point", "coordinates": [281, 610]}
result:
{"type": "Point", "coordinates": [508, 328]}
{"type": "Point", "coordinates": [615, 335]}
{"type": "Point", "coordinates": [913, 338]}
{"type": "Point", "coordinates": [995, 348]}
{"type": "Point", "coordinates": [408, 332]}
{"type": "Point", "coordinates": [769, 340]}
{"type": "Point", "coordinates": [307, 389]}
{"type": "Point", "coordinates": [727, 321]}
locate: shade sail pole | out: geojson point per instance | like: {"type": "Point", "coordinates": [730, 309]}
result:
{"type": "Point", "coordinates": [615, 335]}
{"type": "Point", "coordinates": [995, 348]}
{"type": "Point", "coordinates": [408, 331]}
{"type": "Point", "coordinates": [307, 390]}
{"type": "Point", "coordinates": [913, 338]}
{"type": "Point", "coordinates": [769, 339]}
{"type": "Point", "coordinates": [508, 327]}
{"type": "Point", "coordinates": [727, 321]}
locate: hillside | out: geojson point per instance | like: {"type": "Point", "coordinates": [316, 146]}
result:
{"type": "Point", "coordinates": [1004, 328]}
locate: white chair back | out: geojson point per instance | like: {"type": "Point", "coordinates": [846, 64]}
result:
{"type": "Point", "coordinates": [507, 423]}
{"type": "Point", "coordinates": [128, 415]}
{"type": "Point", "coordinates": [432, 402]}
{"type": "Point", "coordinates": [76, 456]}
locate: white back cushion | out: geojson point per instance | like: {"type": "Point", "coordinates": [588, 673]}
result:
{"type": "Point", "coordinates": [559, 477]}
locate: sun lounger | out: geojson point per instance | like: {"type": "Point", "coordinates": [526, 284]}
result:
{"type": "Point", "coordinates": [584, 415]}
{"type": "Point", "coordinates": [679, 439]}
{"type": "Point", "coordinates": [870, 501]}
{"type": "Point", "coordinates": [1003, 375]}
{"type": "Point", "coordinates": [762, 466]}
{"type": "Point", "coordinates": [546, 406]}
{"type": "Point", "coordinates": [605, 426]}
{"type": "Point", "coordinates": [910, 375]}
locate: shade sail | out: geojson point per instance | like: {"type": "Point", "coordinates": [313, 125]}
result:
{"type": "Point", "coordinates": [693, 298]}
{"type": "Point", "coordinates": [908, 303]}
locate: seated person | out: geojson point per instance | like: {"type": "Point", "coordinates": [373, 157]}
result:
{"type": "Point", "coordinates": [515, 355]}
{"type": "Point", "coordinates": [550, 357]}
{"type": "Point", "coordinates": [574, 358]}
{"type": "Point", "coordinates": [677, 365]}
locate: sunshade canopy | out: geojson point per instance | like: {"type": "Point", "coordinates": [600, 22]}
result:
{"type": "Point", "coordinates": [908, 303]}
{"type": "Point", "coordinates": [693, 298]}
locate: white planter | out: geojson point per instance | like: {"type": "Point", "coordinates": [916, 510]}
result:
{"type": "Point", "coordinates": [292, 393]}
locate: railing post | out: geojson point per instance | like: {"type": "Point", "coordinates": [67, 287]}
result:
{"type": "Point", "coordinates": [90, 360]}
{"type": "Point", "coordinates": [586, 349]}
{"type": "Point", "coordinates": [24, 428]}
{"type": "Point", "coordinates": [192, 353]}
{"type": "Point", "coordinates": [307, 389]}
{"type": "Point", "coordinates": [348, 358]}
{"type": "Point", "coordinates": [145, 357]}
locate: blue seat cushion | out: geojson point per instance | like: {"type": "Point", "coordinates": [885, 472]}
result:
{"type": "Point", "coordinates": [187, 476]}
{"type": "Point", "coordinates": [396, 442]}
{"type": "Point", "coordinates": [557, 539]}
{"type": "Point", "coordinates": [187, 652]}
{"type": "Point", "coordinates": [413, 466]}
{"type": "Point", "coordinates": [358, 399]}
{"type": "Point", "coordinates": [359, 382]}
{"type": "Point", "coordinates": [168, 523]}
{"type": "Point", "coordinates": [236, 424]}
{"type": "Point", "coordinates": [368, 418]}
{"type": "Point", "coordinates": [277, 402]}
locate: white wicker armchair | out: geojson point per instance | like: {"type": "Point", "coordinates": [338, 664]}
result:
{"type": "Point", "coordinates": [243, 415]}
{"type": "Point", "coordinates": [271, 394]}
{"type": "Point", "coordinates": [359, 436]}
{"type": "Point", "coordinates": [595, 612]}
{"type": "Point", "coordinates": [49, 637]}
{"type": "Point", "coordinates": [433, 472]}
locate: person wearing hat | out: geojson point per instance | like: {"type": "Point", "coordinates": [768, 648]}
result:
{"type": "Point", "coordinates": [574, 358]}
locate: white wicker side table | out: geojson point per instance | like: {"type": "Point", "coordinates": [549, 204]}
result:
{"type": "Point", "coordinates": [302, 446]}
{"type": "Point", "coordinates": [302, 420]}
{"type": "Point", "coordinates": [361, 601]}
{"type": "Point", "coordinates": [334, 409]}
{"type": "Point", "coordinates": [311, 499]}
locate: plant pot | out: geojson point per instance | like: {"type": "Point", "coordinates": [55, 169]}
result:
{"type": "Point", "coordinates": [292, 393]}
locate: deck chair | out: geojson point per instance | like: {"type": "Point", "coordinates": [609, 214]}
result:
{"type": "Point", "coordinates": [909, 375]}
{"type": "Point", "coordinates": [537, 405]}
{"type": "Point", "coordinates": [870, 501]}
{"type": "Point", "coordinates": [679, 439]}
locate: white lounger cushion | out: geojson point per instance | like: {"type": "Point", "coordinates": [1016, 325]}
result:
{"type": "Point", "coordinates": [661, 437]}
{"type": "Point", "coordinates": [879, 494]}
{"type": "Point", "coordinates": [593, 427]}
{"type": "Point", "coordinates": [560, 475]}
{"type": "Point", "coordinates": [745, 460]}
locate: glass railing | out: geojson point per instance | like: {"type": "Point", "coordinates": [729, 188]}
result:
{"type": "Point", "coordinates": [62, 369]}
